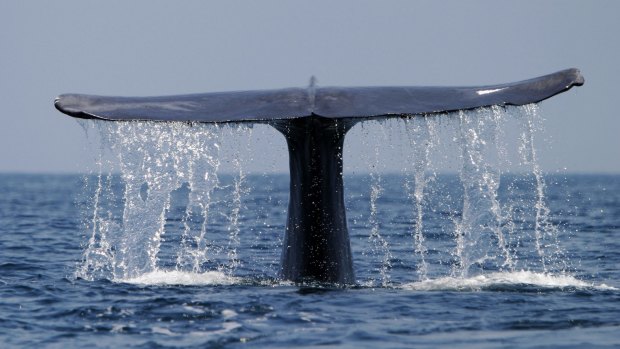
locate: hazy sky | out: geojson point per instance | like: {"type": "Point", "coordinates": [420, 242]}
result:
{"type": "Point", "coordinates": [139, 48]}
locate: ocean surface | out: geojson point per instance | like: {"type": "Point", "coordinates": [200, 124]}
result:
{"type": "Point", "coordinates": [542, 272]}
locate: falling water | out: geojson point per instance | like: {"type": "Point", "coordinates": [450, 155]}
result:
{"type": "Point", "coordinates": [480, 225]}
{"type": "Point", "coordinates": [159, 213]}
{"type": "Point", "coordinates": [159, 163]}
{"type": "Point", "coordinates": [545, 232]}
{"type": "Point", "coordinates": [423, 137]}
{"type": "Point", "coordinates": [495, 227]}
{"type": "Point", "coordinates": [239, 190]}
{"type": "Point", "coordinates": [379, 245]}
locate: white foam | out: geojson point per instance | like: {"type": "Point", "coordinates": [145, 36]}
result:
{"type": "Point", "coordinates": [176, 277]}
{"type": "Point", "coordinates": [502, 279]}
{"type": "Point", "coordinates": [228, 313]}
{"type": "Point", "coordinates": [117, 328]}
{"type": "Point", "coordinates": [162, 330]}
{"type": "Point", "coordinates": [226, 327]}
{"type": "Point", "coordinates": [194, 310]}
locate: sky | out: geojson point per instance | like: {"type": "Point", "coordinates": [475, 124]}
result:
{"type": "Point", "coordinates": [151, 47]}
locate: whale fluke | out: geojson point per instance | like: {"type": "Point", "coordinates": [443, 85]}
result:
{"type": "Point", "coordinates": [327, 102]}
{"type": "Point", "coordinates": [314, 121]}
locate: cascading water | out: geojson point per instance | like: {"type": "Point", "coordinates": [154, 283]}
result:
{"type": "Point", "coordinates": [239, 190]}
{"type": "Point", "coordinates": [545, 232]}
{"type": "Point", "coordinates": [480, 225]}
{"type": "Point", "coordinates": [500, 215]}
{"type": "Point", "coordinates": [159, 163]}
{"type": "Point", "coordinates": [379, 246]}
{"type": "Point", "coordinates": [423, 136]}
{"type": "Point", "coordinates": [160, 212]}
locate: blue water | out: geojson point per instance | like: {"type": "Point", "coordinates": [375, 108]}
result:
{"type": "Point", "coordinates": [49, 298]}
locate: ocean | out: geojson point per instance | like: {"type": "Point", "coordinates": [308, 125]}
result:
{"type": "Point", "coordinates": [53, 294]}
{"type": "Point", "coordinates": [171, 242]}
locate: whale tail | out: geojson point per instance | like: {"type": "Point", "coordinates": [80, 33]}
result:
{"type": "Point", "coordinates": [314, 121]}
{"type": "Point", "coordinates": [328, 102]}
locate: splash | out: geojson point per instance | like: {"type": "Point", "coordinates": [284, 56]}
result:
{"type": "Point", "coordinates": [496, 220]}
{"type": "Point", "coordinates": [177, 277]}
{"type": "Point", "coordinates": [516, 280]}
{"type": "Point", "coordinates": [480, 225]}
{"type": "Point", "coordinates": [545, 232]}
{"type": "Point", "coordinates": [423, 138]}
{"type": "Point", "coordinates": [379, 245]}
{"type": "Point", "coordinates": [169, 210]}
{"type": "Point", "coordinates": [239, 191]}
{"type": "Point", "coordinates": [166, 170]}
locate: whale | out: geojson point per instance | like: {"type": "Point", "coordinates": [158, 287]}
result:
{"type": "Point", "coordinates": [314, 121]}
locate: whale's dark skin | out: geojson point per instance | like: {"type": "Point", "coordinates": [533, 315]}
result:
{"type": "Point", "coordinates": [314, 122]}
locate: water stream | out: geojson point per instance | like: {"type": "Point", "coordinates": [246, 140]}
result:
{"type": "Point", "coordinates": [160, 206]}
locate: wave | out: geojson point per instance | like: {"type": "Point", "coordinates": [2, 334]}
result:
{"type": "Point", "coordinates": [504, 280]}
{"type": "Point", "coordinates": [183, 278]}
